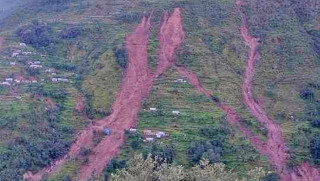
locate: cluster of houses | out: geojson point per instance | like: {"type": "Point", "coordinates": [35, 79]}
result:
{"type": "Point", "coordinates": [32, 65]}
{"type": "Point", "coordinates": [17, 53]}
{"type": "Point", "coordinates": [180, 81]}
{"type": "Point", "coordinates": [150, 135]}
{"type": "Point", "coordinates": [55, 79]}
{"type": "Point", "coordinates": [18, 80]}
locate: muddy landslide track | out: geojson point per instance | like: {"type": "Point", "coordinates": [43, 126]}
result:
{"type": "Point", "coordinates": [137, 84]}
{"type": "Point", "coordinates": [274, 147]}
{"type": "Point", "coordinates": [135, 87]}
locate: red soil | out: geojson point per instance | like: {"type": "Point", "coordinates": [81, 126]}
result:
{"type": "Point", "coordinates": [274, 147]}
{"type": "Point", "coordinates": [170, 37]}
{"type": "Point", "coordinates": [80, 104]}
{"type": "Point", "coordinates": [135, 87]}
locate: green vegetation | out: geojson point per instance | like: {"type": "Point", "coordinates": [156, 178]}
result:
{"type": "Point", "coordinates": [83, 41]}
{"type": "Point", "coordinates": [199, 132]}
{"type": "Point", "coordinates": [140, 169]}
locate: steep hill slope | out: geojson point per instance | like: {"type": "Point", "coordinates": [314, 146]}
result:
{"type": "Point", "coordinates": [235, 82]}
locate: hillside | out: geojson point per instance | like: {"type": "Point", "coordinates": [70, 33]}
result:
{"type": "Point", "coordinates": [87, 85]}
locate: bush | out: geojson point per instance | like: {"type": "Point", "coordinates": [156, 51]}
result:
{"type": "Point", "coordinates": [36, 34]}
{"type": "Point", "coordinates": [120, 57]}
{"type": "Point", "coordinates": [211, 149]}
{"type": "Point", "coordinates": [70, 32]}
{"type": "Point", "coordinates": [315, 123]}
{"type": "Point", "coordinates": [271, 177]}
{"type": "Point", "coordinates": [307, 94]}
{"type": "Point", "coordinates": [315, 149]}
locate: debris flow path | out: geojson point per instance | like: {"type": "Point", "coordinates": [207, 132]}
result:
{"type": "Point", "coordinates": [135, 87]}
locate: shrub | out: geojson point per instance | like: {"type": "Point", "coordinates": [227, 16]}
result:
{"type": "Point", "coordinates": [315, 149]}
{"type": "Point", "coordinates": [315, 123]}
{"type": "Point", "coordinates": [36, 34]}
{"type": "Point", "coordinates": [70, 32]}
{"type": "Point", "coordinates": [120, 57]}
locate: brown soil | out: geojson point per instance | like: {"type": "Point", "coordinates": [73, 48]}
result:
{"type": "Point", "coordinates": [274, 147]}
{"type": "Point", "coordinates": [79, 104]}
{"type": "Point", "coordinates": [135, 87]}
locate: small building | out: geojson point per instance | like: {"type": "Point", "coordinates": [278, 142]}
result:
{"type": "Point", "coordinates": [176, 112]}
{"type": "Point", "coordinates": [15, 54]}
{"type": "Point", "coordinates": [50, 70]}
{"type": "Point", "coordinates": [34, 62]}
{"type": "Point", "coordinates": [17, 81]}
{"type": "Point", "coordinates": [160, 134]}
{"type": "Point", "coordinates": [34, 81]}
{"type": "Point", "coordinates": [132, 130]}
{"type": "Point", "coordinates": [26, 53]}
{"type": "Point", "coordinates": [34, 66]}
{"type": "Point", "coordinates": [149, 139]}
{"type": "Point", "coordinates": [153, 109]}
{"type": "Point", "coordinates": [9, 79]}
{"type": "Point", "coordinates": [63, 80]}
{"type": "Point", "coordinates": [147, 132]}
{"type": "Point", "coordinates": [22, 44]}
{"type": "Point", "coordinates": [107, 131]}
{"type": "Point", "coordinates": [5, 83]}
{"type": "Point", "coordinates": [12, 63]}
{"type": "Point", "coordinates": [180, 81]}
{"type": "Point", "coordinates": [54, 79]}
{"type": "Point", "coordinates": [26, 81]}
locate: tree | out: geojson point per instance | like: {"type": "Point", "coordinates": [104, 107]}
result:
{"type": "Point", "coordinates": [315, 149]}
{"type": "Point", "coordinates": [149, 169]}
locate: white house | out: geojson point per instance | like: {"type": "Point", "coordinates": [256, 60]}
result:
{"type": "Point", "coordinates": [22, 44]}
{"type": "Point", "coordinates": [54, 79]}
{"type": "Point", "coordinates": [180, 81]}
{"type": "Point", "coordinates": [34, 81]}
{"type": "Point", "coordinates": [149, 139]}
{"type": "Point", "coordinates": [12, 63]}
{"type": "Point", "coordinates": [132, 130]}
{"type": "Point", "coordinates": [176, 112]}
{"type": "Point", "coordinates": [9, 79]}
{"type": "Point", "coordinates": [50, 70]}
{"type": "Point", "coordinates": [160, 134]}
{"type": "Point", "coordinates": [35, 66]}
{"type": "Point", "coordinates": [15, 54]}
{"type": "Point", "coordinates": [27, 53]}
{"type": "Point", "coordinates": [5, 83]}
{"type": "Point", "coordinates": [153, 109]}
{"type": "Point", "coordinates": [63, 80]}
